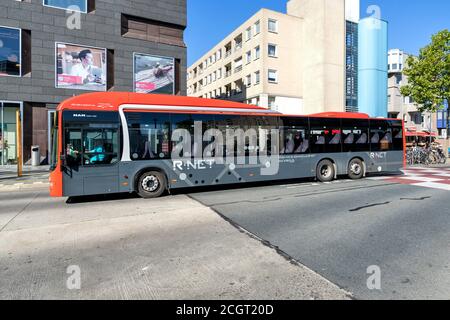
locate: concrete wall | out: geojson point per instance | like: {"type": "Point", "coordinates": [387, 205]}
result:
{"type": "Point", "coordinates": [323, 49]}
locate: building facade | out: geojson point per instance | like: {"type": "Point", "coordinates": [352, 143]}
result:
{"type": "Point", "coordinates": [294, 63]}
{"type": "Point", "coordinates": [402, 107]}
{"type": "Point", "coordinates": [50, 52]}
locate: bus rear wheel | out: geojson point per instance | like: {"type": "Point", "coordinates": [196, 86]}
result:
{"type": "Point", "coordinates": [151, 184]}
{"type": "Point", "coordinates": [325, 171]}
{"type": "Point", "coordinates": [355, 169]}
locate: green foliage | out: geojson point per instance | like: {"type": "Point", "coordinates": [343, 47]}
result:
{"type": "Point", "coordinates": [429, 74]}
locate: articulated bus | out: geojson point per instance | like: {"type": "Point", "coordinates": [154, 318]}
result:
{"type": "Point", "coordinates": [149, 144]}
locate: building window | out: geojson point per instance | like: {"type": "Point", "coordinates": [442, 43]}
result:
{"type": "Point", "coordinates": [257, 77]}
{"type": "Point", "coordinates": [257, 27]}
{"type": "Point", "coordinates": [272, 50]}
{"type": "Point", "coordinates": [398, 78]}
{"type": "Point", "coordinates": [248, 34]}
{"type": "Point", "coordinates": [394, 66]}
{"type": "Point", "coordinates": [152, 30]}
{"type": "Point", "coordinates": [248, 57]}
{"type": "Point", "coordinates": [257, 53]}
{"type": "Point", "coordinates": [75, 5]}
{"type": "Point", "coordinates": [273, 25]}
{"type": "Point", "coordinates": [219, 54]}
{"type": "Point", "coordinates": [219, 73]}
{"type": "Point", "coordinates": [272, 104]}
{"type": "Point", "coordinates": [10, 52]}
{"type": "Point", "coordinates": [272, 76]}
{"type": "Point", "coordinates": [248, 80]}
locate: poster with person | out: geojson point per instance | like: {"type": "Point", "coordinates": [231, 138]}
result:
{"type": "Point", "coordinates": [81, 68]}
{"type": "Point", "coordinates": [154, 74]}
{"type": "Point", "coordinates": [10, 57]}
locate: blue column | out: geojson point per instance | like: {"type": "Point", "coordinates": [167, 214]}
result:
{"type": "Point", "coordinates": [372, 67]}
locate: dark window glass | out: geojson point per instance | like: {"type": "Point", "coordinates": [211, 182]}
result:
{"type": "Point", "coordinates": [73, 147]}
{"type": "Point", "coordinates": [355, 135]}
{"type": "Point", "coordinates": [224, 123]}
{"type": "Point", "coordinates": [149, 135]}
{"type": "Point", "coordinates": [294, 136]}
{"type": "Point", "coordinates": [100, 146]}
{"type": "Point", "coordinates": [10, 55]}
{"type": "Point", "coordinates": [325, 135]}
{"type": "Point", "coordinates": [380, 136]}
{"type": "Point", "coordinates": [397, 134]}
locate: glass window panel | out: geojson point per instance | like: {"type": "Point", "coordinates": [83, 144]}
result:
{"type": "Point", "coordinates": [10, 55]}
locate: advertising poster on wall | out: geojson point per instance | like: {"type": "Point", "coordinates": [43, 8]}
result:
{"type": "Point", "coordinates": [80, 68]}
{"type": "Point", "coordinates": [154, 74]}
{"type": "Point", "coordinates": [10, 52]}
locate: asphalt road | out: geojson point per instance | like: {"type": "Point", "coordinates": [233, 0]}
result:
{"type": "Point", "coordinates": [124, 247]}
{"type": "Point", "coordinates": [342, 228]}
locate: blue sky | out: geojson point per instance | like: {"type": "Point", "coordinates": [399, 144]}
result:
{"type": "Point", "coordinates": [411, 22]}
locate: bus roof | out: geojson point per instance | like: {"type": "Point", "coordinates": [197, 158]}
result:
{"type": "Point", "coordinates": [113, 100]}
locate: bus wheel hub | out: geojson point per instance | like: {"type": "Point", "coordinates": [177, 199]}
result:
{"type": "Point", "coordinates": [325, 171]}
{"type": "Point", "coordinates": [355, 168]}
{"type": "Point", "coordinates": [150, 183]}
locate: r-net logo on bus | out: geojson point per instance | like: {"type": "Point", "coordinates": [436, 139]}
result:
{"type": "Point", "coordinates": [236, 148]}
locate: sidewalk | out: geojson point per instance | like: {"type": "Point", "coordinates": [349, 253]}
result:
{"type": "Point", "coordinates": [31, 176]}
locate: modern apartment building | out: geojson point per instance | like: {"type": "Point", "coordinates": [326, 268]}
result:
{"type": "Point", "coordinates": [404, 107]}
{"type": "Point", "coordinates": [50, 52]}
{"type": "Point", "coordinates": [295, 63]}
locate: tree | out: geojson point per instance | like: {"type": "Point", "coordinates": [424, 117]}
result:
{"type": "Point", "coordinates": [429, 75]}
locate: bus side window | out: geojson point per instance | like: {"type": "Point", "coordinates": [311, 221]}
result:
{"type": "Point", "coordinates": [397, 134]}
{"type": "Point", "coordinates": [355, 135]}
{"type": "Point", "coordinates": [326, 135]}
{"type": "Point", "coordinates": [294, 136]}
{"type": "Point", "coordinates": [380, 136]}
{"type": "Point", "coordinates": [149, 135]}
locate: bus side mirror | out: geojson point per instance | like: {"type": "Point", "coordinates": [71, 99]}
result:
{"type": "Point", "coordinates": [63, 160]}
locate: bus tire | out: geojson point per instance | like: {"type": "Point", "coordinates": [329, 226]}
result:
{"type": "Point", "coordinates": [325, 171]}
{"type": "Point", "coordinates": [151, 184]}
{"type": "Point", "coordinates": [355, 169]}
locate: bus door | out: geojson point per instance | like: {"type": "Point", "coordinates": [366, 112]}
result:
{"type": "Point", "coordinates": [295, 148]}
{"type": "Point", "coordinates": [91, 153]}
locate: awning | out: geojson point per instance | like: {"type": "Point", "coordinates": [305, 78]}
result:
{"type": "Point", "coordinates": [421, 134]}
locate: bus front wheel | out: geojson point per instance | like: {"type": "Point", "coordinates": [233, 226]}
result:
{"type": "Point", "coordinates": [325, 171]}
{"type": "Point", "coordinates": [151, 184]}
{"type": "Point", "coordinates": [355, 169]}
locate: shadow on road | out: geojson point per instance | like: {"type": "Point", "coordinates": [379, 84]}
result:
{"type": "Point", "coordinates": [101, 198]}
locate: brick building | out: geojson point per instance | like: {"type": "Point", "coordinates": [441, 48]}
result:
{"type": "Point", "coordinates": [49, 52]}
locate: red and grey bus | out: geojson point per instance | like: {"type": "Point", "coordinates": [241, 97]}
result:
{"type": "Point", "coordinates": [127, 142]}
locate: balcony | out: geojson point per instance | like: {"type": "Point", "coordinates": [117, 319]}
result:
{"type": "Point", "coordinates": [238, 69]}
{"type": "Point", "coordinates": [227, 73]}
{"type": "Point", "coordinates": [228, 53]}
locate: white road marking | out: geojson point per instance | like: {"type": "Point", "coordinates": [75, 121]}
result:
{"type": "Point", "coordinates": [424, 179]}
{"type": "Point", "coordinates": [433, 185]}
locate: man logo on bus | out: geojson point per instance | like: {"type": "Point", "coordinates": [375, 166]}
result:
{"type": "Point", "coordinates": [234, 147]}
